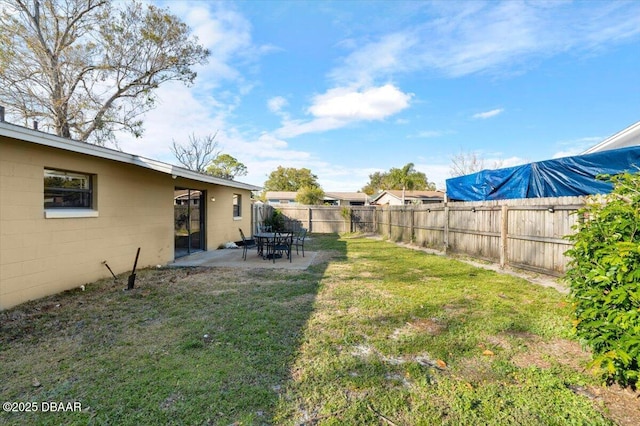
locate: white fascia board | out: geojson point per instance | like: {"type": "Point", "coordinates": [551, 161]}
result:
{"type": "Point", "coordinates": [629, 136]}
{"type": "Point", "coordinates": [33, 136]}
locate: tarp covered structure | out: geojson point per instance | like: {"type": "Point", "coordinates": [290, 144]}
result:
{"type": "Point", "coordinates": [562, 177]}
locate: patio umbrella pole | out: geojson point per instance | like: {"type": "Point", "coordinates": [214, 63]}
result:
{"type": "Point", "coordinates": [132, 277]}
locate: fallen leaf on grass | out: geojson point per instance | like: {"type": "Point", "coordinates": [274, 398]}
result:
{"type": "Point", "coordinates": [440, 363]}
{"type": "Point", "coordinates": [487, 352]}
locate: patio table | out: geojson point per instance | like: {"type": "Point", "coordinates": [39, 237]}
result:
{"type": "Point", "coordinates": [267, 239]}
{"type": "Point", "coordinates": [262, 240]}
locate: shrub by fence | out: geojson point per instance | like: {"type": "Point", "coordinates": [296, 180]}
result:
{"type": "Point", "coordinates": [326, 219]}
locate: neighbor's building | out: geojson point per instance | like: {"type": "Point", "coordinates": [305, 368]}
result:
{"type": "Point", "coordinates": [279, 198]}
{"type": "Point", "coordinates": [627, 137]}
{"type": "Point", "coordinates": [394, 197]}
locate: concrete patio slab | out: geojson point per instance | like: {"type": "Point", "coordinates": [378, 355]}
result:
{"type": "Point", "coordinates": [232, 258]}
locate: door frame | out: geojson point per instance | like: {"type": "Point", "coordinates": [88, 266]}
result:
{"type": "Point", "coordinates": [184, 247]}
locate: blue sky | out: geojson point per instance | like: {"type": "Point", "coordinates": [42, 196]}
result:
{"type": "Point", "coordinates": [347, 88]}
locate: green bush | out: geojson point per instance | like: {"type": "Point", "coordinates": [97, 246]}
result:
{"type": "Point", "coordinates": [604, 276]}
{"type": "Point", "coordinates": [276, 221]}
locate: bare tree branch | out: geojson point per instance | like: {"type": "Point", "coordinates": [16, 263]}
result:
{"type": "Point", "coordinates": [465, 163]}
{"type": "Point", "coordinates": [198, 153]}
{"type": "Point", "coordinates": [87, 68]}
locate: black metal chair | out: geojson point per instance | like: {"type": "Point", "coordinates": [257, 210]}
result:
{"type": "Point", "coordinates": [298, 241]}
{"type": "Point", "coordinates": [281, 244]}
{"type": "Point", "coordinates": [264, 228]}
{"type": "Point", "coordinates": [246, 244]}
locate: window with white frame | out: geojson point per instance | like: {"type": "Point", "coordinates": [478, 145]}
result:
{"type": "Point", "coordinates": [67, 190]}
{"type": "Point", "coordinates": [237, 205]}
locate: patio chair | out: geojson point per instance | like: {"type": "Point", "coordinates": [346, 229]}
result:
{"type": "Point", "coordinates": [264, 228]}
{"type": "Point", "coordinates": [246, 244]}
{"type": "Point", "coordinates": [298, 241]}
{"type": "Point", "coordinates": [281, 244]}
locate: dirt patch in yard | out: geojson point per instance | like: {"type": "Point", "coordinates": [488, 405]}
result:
{"type": "Point", "coordinates": [430, 326]}
{"type": "Point", "coordinates": [620, 405]}
{"type": "Point", "coordinates": [544, 354]}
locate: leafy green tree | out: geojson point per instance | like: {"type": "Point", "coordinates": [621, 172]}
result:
{"type": "Point", "coordinates": [404, 178]}
{"type": "Point", "coordinates": [290, 179]}
{"type": "Point", "coordinates": [604, 277]}
{"type": "Point", "coordinates": [407, 178]}
{"type": "Point", "coordinates": [85, 68]}
{"type": "Point", "coordinates": [376, 183]}
{"type": "Point", "coordinates": [227, 167]}
{"type": "Point", "coordinates": [310, 196]}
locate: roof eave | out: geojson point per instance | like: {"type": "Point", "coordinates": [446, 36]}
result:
{"type": "Point", "coordinates": [45, 139]}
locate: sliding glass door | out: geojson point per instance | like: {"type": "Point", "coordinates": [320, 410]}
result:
{"type": "Point", "coordinates": [188, 221]}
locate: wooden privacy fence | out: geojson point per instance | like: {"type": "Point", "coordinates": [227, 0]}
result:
{"type": "Point", "coordinates": [325, 219]}
{"type": "Point", "coordinates": [523, 233]}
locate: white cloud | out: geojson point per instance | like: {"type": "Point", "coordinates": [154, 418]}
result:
{"type": "Point", "coordinates": [276, 104]}
{"type": "Point", "coordinates": [293, 128]}
{"type": "Point", "coordinates": [227, 34]}
{"type": "Point", "coordinates": [500, 163]}
{"type": "Point", "coordinates": [436, 173]}
{"type": "Point", "coordinates": [375, 103]}
{"type": "Point", "coordinates": [576, 147]}
{"type": "Point", "coordinates": [427, 134]}
{"type": "Point", "coordinates": [178, 114]}
{"type": "Point", "coordinates": [464, 38]}
{"type": "Point", "coordinates": [341, 106]}
{"type": "Point", "coordinates": [488, 114]}
{"type": "Point", "coordinates": [376, 59]}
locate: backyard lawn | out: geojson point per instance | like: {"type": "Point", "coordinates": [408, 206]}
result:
{"type": "Point", "coordinates": [372, 333]}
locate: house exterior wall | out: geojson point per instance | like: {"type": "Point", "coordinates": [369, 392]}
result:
{"type": "Point", "coordinates": [221, 226]}
{"type": "Point", "coordinates": [40, 256]}
{"type": "Point", "coordinates": [389, 199]}
{"type": "Point", "coordinates": [277, 202]}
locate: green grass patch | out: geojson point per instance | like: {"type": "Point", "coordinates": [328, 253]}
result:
{"type": "Point", "coordinates": [378, 333]}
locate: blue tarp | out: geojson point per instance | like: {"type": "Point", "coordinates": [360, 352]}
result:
{"type": "Point", "coordinates": [568, 176]}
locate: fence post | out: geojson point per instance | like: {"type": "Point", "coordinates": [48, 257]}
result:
{"type": "Point", "coordinates": [375, 220]}
{"type": "Point", "coordinates": [353, 219]}
{"type": "Point", "coordinates": [389, 216]}
{"type": "Point", "coordinates": [412, 225]}
{"type": "Point", "coordinates": [310, 219]}
{"type": "Point", "coordinates": [445, 237]}
{"type": "Point", "coordinates": [504, 232]}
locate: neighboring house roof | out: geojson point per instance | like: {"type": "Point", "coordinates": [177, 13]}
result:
{"type": "Point", "coordinates": [281, 195]}
{"type": "Point", "coordinates": [624, 138]}
{"type": "Point", "coordinates": [347, 196]}
{"type": "Point", "coordinates": [45, 139]}
{"type": "Point", "coordinates": [411, 195]}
